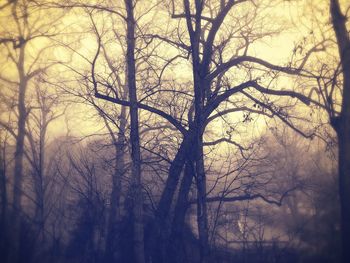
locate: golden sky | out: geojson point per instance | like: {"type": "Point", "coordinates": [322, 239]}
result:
{"type": "Point", "coordinates": [292, 20]}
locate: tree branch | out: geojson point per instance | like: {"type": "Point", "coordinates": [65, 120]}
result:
{"type": "Point", "coordinates": [238, 60]}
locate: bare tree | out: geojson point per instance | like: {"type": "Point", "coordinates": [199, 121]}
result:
{"type": "Point", "coordinates": [225, 85]}
{"type": "Point", "coordinates": [39, 120]}
{"type": "Point", "coordinates": [211, 89]}
{"type": "Point", "coordinates": [23, 31]}
{"type": "Point", "coordinates": [341, 123]}
{"type": "Point", "coordinates": [134, 135]}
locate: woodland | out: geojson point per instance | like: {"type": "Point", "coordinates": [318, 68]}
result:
{"type": "Point", "coordinates": [156, 131]}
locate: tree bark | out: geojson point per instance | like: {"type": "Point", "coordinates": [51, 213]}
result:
{"type": "Point", "coordinates": [341, 124]}
{"type": "Point", "coordinates": [134, 136]}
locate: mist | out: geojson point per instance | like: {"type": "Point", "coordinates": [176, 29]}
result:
{"type": "Point", "coordinates": [174, 131]}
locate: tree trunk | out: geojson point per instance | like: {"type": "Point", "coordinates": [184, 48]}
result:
{"type": "Point", "coordinates": [134, 137]}
{"type": "Point", "coordinates": [202, 217]}
{"type": "Point", "coordinates": [114, 216]}
{"type": "Point", "coordinates": [200, 68]}
{"type": "Point", "coordinates": [344, 189]}
{"type": "Point", "coordinates": [342, 126]}
{"type": "Point", "coordinates": [39, 181]}
{"type": "Point", "coordinates": [177, 245]}
{"type": "Point", "coordinates": [19, 153]}
{"type": "Point", "coordinates": [159, 229]}
{"type": "Point", "coordinates": [18, 163]}
{"type": "Point", "coordinates": [3, 195]}
{"type": "Point", "coordinates": [172, 182]}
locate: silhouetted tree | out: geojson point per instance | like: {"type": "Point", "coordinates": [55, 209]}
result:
{"type": "Point", "coordinates": [341, 123]}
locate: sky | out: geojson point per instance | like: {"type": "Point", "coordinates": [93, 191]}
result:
{"type": "Point", "coordinates": [291, 20]}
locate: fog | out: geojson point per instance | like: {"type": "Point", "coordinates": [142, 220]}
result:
{"type": "Point", "coordinates": [174, 131]}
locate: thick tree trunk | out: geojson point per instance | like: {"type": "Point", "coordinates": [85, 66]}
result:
{"type": "Point", "coordinates": [134, 137]}
{"type": "Point", "coordinates": [176, 250]}
{"type": "Point", "coordinates": [172, 181]}
{"type": "Point", "coordinates": [199, 70]}
{"type": "Point", "coordinates": [159, 230]}
{"type": "Point", "coordinates": [200, 86]}
{"type": "Point", "coordinates": [344, 189]}
{"type": "Point", "coordinates": [342, 126]}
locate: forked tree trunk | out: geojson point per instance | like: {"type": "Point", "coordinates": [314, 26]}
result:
{"type": "Point", "coordinates": [159, 228]}
{"type": "Point", "coordinates": [177, 245]}
{"type": "Point", "coordinates": [172, 181]}
{"type": "Point", "coordinates": [134, 136]}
